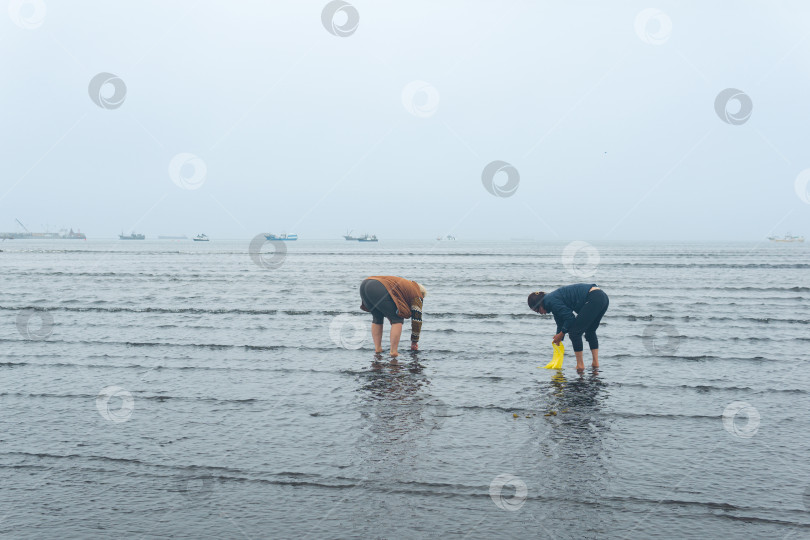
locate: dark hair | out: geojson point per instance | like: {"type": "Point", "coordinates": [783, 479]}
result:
{"type": "Point", "coordinates": [536, 300]}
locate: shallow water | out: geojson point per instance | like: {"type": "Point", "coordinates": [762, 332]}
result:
{"type": "Point", "coordinates": [243, 408]}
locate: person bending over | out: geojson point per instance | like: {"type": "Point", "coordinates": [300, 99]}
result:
{"type": "Point", "coordinates": [396, 299]}
{"type": "Point", "coordinates": [588, 302]}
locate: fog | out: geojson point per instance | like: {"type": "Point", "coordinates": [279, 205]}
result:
{"type": "Point", "coordinates": [232, 118]}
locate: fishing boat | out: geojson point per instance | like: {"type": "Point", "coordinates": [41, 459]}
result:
{"type": "Point", "coordinates": [368, 238]}
{"type": "Point", "coordinates": [201, 238]}
{"type": "Point", "coordinates": [281, 237]}
{"type": "Point", "coordinates": [787, 238]}
{"type": "Point", "coordinates": [348, 236]}
{"type": "Point", "coordinates": [131, 236]}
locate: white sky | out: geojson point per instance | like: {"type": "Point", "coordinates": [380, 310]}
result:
{"type": "Point", "coordinates": [303, 131]}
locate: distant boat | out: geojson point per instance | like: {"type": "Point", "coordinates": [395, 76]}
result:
{"type": "Point", "coordinates": [184, 237]}
{"type": "Point", "coordinates": [132, 236]}
{"type": "Point", "coordinates": [787, 238]}
{"type": "Point", "coordinates": [200, 238]}
{"type": "Point", "coordinates": [73, 235]}
{"type": "Point", "coordinates": [348, 236]}
{"type": "Point", "coordinates": [281, 237]}
{"type": "Point", "coordinates": [368, 238]}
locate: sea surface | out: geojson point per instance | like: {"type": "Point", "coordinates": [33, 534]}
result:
{"type": "Point", "coordinates": [156, 389]}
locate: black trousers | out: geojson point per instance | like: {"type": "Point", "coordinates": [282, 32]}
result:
{"type": "Point", "coordinates": [379, 302]}
{"type": "Point", "coordinates": [588, 320]}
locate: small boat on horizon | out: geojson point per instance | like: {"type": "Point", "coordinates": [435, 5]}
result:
{"type": "Point", "coordinates": [281, 237]}
{"type": "Point", "coordinates": [787, 238]}
{"type": "Point", "coordinates": [201, 238]}
{"type": "Point", "coordinates": [368, 238]}
{"type": "Point", "coordinates": [132, 236]}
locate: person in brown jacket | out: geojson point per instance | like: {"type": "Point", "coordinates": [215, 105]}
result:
{"type": "Point", "coordinates": [396, 299]}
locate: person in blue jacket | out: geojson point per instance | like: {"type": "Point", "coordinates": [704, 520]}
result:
{"type": "Point", "coordinates": [577, 309]}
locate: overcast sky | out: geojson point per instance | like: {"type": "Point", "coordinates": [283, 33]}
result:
{"type": "Point", "coordinates": [606, 114]}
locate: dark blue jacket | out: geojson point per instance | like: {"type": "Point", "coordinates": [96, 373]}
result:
{"type": "Point", "coordinates": [563, 302]}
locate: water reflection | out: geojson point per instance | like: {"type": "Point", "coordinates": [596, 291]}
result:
{"type": "Point", "coordinates": [571, 443]}
{"type": "Point", "coordinates": [395, 380]}
{"type": "Point", "coordinates": [396, 405]}
{"type": "Point", "coordinates": [584, 393]}
{"type": "Point", "coordinates": [398, 416]}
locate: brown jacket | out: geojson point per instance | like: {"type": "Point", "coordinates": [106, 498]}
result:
{"type": "Point", "coordinates": [408, 298]}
